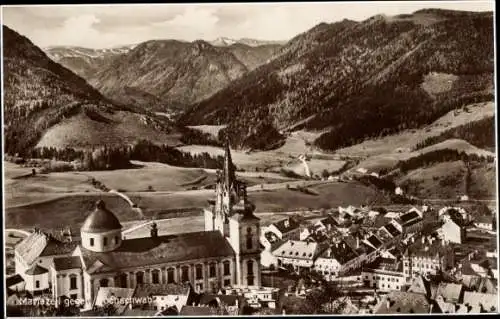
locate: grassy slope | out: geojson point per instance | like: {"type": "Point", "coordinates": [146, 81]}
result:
{"type": "Point", "coordinates": [443, 180]}
{"type": "Point", "coordinates": [71, 208]}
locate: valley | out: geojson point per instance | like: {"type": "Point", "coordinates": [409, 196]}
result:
{"type": "Point", "coordinates": [309, 120]}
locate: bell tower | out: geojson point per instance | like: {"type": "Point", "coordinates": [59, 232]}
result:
{"type": "Point", "coordinates": [226, 195]}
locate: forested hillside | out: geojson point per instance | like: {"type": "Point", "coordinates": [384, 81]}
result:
{"type": "Point", "coordinates": [40, 94]}
{"type": "Point", "coordinates": [359, 80]}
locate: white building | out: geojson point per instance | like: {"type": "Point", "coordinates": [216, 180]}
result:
{"type": "Point", "coordinates": [337, 260]}
{"type": "Point", "coordinates": [384, 274]}
{"type": "Point", "coordinates": [299, 254]}
{"type": "Point", "coordinates": [451, 232]}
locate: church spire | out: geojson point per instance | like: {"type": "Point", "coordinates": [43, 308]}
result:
{"type": "Point", "coordinates": [228, 174]}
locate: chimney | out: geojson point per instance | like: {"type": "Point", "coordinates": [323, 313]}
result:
{"type": "Point", "coordinates": [329, 252]}
{"type": "Point", "coordinates": [423, 240]}
{"type": "Point", "coordinates": [413, 240]}
{"type": "Point", "coordinates": [357, 241]}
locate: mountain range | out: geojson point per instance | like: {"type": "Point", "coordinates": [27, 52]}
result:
{"type": "Point", "coordinates": [46, 104]}
{"type": "Point", "coordinates": [350, 81]}
{"type": "Point", "coordinates": [224, 42]}
{"type": "Point", "coordinates": [357, 80]}
{"type": "Point", "coordinates": [164, 75]}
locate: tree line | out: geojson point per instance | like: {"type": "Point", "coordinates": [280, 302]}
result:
{"type": "Point", "coordinates": [439, 156]}
{"type": "Point", "coordinates": [480, 133]}
{"type": "Point", "coordinates": [120, 157]}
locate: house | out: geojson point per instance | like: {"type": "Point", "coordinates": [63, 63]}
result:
{"type": "Point", "coordinates": [37, 251]}
{"type": "Point", "coordinates": [338, 259]}
{"type": "Point", "coordinates": [427, 257]}
{"type": "Point", "coordinates": [399, 302]}
{"type": "Point", "coordinates": [286, 229]}
{"type": "Point", "coordinates": [452, 231]}
{"type": "Point", "coordinates": [384, 274]}
{"type": "Point", "coordinates": [164, 296]}
{"type": "Point", "coordinates": [299, 254]}
{"type": "Point", "coordinates": [411, 221]}
{"type": "Point", "coordinates": [484, 222]}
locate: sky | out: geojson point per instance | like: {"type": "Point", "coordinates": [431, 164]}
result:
{"type": "Point", "coordinates": [108, 26]}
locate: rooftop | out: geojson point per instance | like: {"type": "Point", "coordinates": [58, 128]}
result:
{"type": "Point", "coordinates": [145, 290]}
{"type": "Point", "coordinates": [341, 252]}
{"type": "Point", "coordinates": [162, 249]}
{"type": "Point", "coordinates": [409, 217]}
{"type": "Point", "coordinates": [449, 291]}
{"type": "Point", "coordinates": [69, 262]}
{"type": "Point", "coordinates": [13, 280]}
{"type": "Point", "coordinates": [298, 250]}
{"type": "Point", "coordinates": [36, 270]}
{"type": "Point", "coordinates": [488, 301]}
{"type": "Point", "coordinates": [196, 311]}
{"type": "Point", "coordinates": [286, 225]}
{"type": "Point", "coordinates": [404, 303]}
{"type": "Point", "coordinates": [392, 230]}
{"type": "Point", "coordinates": [39, 244]}
{"type": "Point", "coordinates": [101, 220]}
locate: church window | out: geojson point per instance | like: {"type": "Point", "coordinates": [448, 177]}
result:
{"type": "Point", "coordinates": [170, 275]}
{"type": "Point", "coordinates": [72, 282]}
{"type": "Point", "coordinates": [227, 270]}
{"type": "Point", "coordinates": [91, 241]}
{"type": "Point", "coordinates": [139, 278]}
{"type": "Point", "coordinates": [185, 273]}
{"type": "Point", "coordinates": [103, 282]}
{"type": "Point", "coordinates": [155, 276]}
{"type": "Point", "coordinates": [199, 272]}
{"type": "Point", "coordinates": [116, 240]}
{"type": "Point", "coordinates": [250, 280]}
{"type": "Point", "coordinates": [250, 267]}
{"type": "Point", "coordinates": [105, 241]}
{"type": "Point", "coordinates": [37, 284]}
{"type": "Point", "coordinates": [227, 282]}
{"type": "Point", "coordinates": [212, 270]}
{"type": "Point", "coordinates": [122, 279]}
{"type": "Point", "coordinates": [249, 238]}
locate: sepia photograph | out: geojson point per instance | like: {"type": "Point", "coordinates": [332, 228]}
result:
{"type": "Point", "coordinates": [249, 159]}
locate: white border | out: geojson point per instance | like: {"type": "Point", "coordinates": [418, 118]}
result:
{"type": "Point", "coordinates": [259, 4]}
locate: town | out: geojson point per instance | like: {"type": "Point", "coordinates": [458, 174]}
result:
{"type": "Point", "coordinates": [353, 260]}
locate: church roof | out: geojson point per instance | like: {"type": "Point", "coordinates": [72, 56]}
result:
{"type": "Point", "coordinates": [36, 270]}
{"type": "Point", "coordinates": [101, 220]}
{"type": "Point", "coordinates": [69, 262]}
{"type": "Point", "coordinates": [162, 249]}
{"type": "Point", "coordinates": [39, 244]}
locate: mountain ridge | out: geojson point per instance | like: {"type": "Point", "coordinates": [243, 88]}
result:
{"type": "Point", "coordinates": [39, 94]}
{"type": "Point", "coordinates": [347, 75]}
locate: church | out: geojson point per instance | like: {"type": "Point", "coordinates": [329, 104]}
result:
{"type": "Point", "coordinates": [225, 254]}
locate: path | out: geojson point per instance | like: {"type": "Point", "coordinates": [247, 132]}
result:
{"type": "Point", "coordinates": [129, 201]}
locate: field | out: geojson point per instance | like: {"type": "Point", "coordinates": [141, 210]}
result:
{"type": "Point", "coordinates": [74, 207]}
{"type": "Point", "coordinates": [443, 180]}
{"type": "Point", "coordinates": [21, 188]}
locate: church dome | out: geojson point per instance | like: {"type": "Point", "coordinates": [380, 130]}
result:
{"type": "Point", "coordinates": [101, 220]}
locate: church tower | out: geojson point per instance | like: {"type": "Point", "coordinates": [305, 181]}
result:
{"type": "Point", "coordinates": [232, 214]}
{"type": "Point", "coordinates": [226, 195]}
